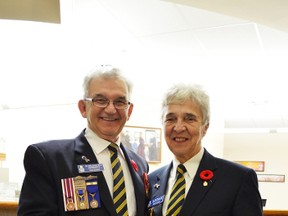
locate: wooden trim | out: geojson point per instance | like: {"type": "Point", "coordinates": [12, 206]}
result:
{"type": "Point", "coordinates": [8, 205]}
{"type": "Point", "coordinates": [14, 205]}
{"type": "Point", "coordinates": [275, 213]}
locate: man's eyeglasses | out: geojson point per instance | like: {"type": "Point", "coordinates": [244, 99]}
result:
{"type": "Point", "coordinates": [101, 102]}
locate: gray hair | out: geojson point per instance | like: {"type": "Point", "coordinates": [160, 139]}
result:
{"type": "Point", "coordinates": [106, 72]}
{"type": "Point", "coordinates": [180, 93]}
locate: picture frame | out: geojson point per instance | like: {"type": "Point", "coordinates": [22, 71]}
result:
{"type": "Point", "coordinates": [144, 141]}
{"type": "Point", "coordinates": [270, 178]}
{"type": "Point", "coordinates": [2, 158]}
{"type": "Point", "coordinates": [257, 166]}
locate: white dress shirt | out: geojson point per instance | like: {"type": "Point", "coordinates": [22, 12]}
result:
{"type": "Point", "coordinates": [102, 154]}
{"type": "Point", "coordinates": [191, 166]}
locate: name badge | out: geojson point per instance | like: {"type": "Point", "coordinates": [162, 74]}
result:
{"type": "Point", "coordinates": [89, 168]}
{"type": "Point", "coordinates": [156, 201]}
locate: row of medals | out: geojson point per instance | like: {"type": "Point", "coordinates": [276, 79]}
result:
{"type": "Point", "coordinates": [80, 184]}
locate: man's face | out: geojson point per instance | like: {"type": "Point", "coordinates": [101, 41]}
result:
{"type": "Point", "coordinates": [184, 129]}
{"type": "Point", "coordinates": [106, 122]}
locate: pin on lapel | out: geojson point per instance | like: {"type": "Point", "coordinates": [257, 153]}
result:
{"type": "Point", "coordinates": [157, 186]}
{"type": "Point", "coordinates": [85, 159]}
{"type": "Point", "coordinates": [134, 165]}
{"type": "Point", "coordinates": [206, 175]}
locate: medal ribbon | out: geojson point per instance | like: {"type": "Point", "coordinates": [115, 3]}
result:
{"type": "Point", "coordinates": [69, 195]}
{"type": "Point", "coordinates": [93, 192]}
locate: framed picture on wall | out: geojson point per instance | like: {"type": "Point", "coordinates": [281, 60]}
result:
{"type": "Point", "coordinates": [144, 141]}
{"type": "Point", "coordinates": [258, 166]}
{"type": "Point", "coordinates": [270, 178]}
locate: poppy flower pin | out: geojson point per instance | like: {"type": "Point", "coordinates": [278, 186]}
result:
{"type": "Point", "coordinates": [134, 165]}
{"type": "Point", "coordinates": [206, 175]}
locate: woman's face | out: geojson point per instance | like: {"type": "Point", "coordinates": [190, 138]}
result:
{"type": "Point", "coordinates": [184, 129]}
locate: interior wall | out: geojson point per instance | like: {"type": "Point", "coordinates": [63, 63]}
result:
{"type": "Point", "coordinates": [270, 148]}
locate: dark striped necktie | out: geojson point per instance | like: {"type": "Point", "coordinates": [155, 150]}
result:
{"type": "Point", "coordinates": [177, 194]}
{"type": "Point", "coordinates": [119, 191]}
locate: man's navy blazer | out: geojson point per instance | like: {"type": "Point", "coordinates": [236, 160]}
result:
{"type": "Point", "coordinates": [48, 162]}
{"type": "Point", "coordinates": [233, 190]}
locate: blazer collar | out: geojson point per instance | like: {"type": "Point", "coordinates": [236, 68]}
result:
{"type": "Point", "coordinates": [159, 186]}
{"type": "Point", "coordinates": [162, 180]}
{"type": "Point", "coordinates": [85, 155]}
{"type": "Point", "coordinates": [198, 190]}
{"type": "Point", "coordinates": [83, 151]}
{"type": "Point", "coordinates": [137, 181]}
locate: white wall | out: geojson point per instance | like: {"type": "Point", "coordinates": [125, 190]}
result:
{"type": "Point", "coordinates": [270, 148]}
{"type": "Point", "coordinates": [21, 127]}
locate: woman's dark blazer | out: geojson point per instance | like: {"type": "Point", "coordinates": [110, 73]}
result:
{"type": "Point", "coordinates": [233, 190]}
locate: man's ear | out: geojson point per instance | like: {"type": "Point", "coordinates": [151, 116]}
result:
{"type": "Point", "coordinates": [130, 109]}
{"type": "Point", "coordinates": [82, 108]}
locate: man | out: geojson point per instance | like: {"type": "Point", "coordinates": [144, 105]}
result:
{"type": "Point", "coordinates": [204, 185]}
{"type": "Point", "coordinates": [76, 177]}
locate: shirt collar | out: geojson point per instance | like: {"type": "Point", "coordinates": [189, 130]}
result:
{"type": "Point", "coordinates": [191, 165]}
{"type": "Point", "coordinates": [98, 144]}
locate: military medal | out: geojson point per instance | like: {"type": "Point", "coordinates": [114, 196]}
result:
{"type": "Point", "coordinates": [68, 193]}
{"type": "Point", "coordinates": [93, 202]}
{"type": "Point", "coordinates": [93, 191]}
{"type": "Point", "coordinates": [80, 191]}
{"type": "Point", "coordinates": [81, 199]}
{"type": "Point", "coordinates": [70, 205]}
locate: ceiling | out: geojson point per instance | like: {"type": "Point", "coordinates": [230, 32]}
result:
{"type": "Point", "coordinates": [250, 34]}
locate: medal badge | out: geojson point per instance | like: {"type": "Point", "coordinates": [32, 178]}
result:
{"type": "Point", "coordinates": [68, 194]}
{"type": "Point", "coordinates": [80, 193]}
{"type": "Point", "coordinates": [93, 191]}
{"type": "Point", "coordinates": [70, 205]}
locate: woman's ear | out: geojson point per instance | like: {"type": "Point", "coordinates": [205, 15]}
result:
{"type": "Point", "coordinates": [206, 126]}
{"type": "Point", "coordinates": [82, 108]}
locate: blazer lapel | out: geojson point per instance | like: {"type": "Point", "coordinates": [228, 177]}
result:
{"type": "Point", "coordinates": [138, 184]}
{"type": "Point", "coordinates": [198, 190]}
{"type": "Point", "coordinates": [159, 186]}
{"type": "Point", "coordinates": [85, 155]}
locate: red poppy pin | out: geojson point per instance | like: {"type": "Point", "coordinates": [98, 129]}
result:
{"type": "Point", "coordinates": [134, 165]}
{"type": "Point", "coordinates": [206, 175]}
{"type": "Point", "coordinates": [146, 183]}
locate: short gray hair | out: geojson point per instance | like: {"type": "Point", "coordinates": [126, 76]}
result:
{"type": "Point", "coordinates": [107, 72]}
{"type": "Point", "coordinates": [180, 93]}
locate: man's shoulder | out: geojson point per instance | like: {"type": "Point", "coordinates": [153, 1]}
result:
{"type": "Point", "coordinates": [52, 146]}
{"type": "Point", "coordinates": [54, 143]}
{"type": "Point", "coordinates": [57, 143]}
{"type": "Point", "coordinates": [160, 170]}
